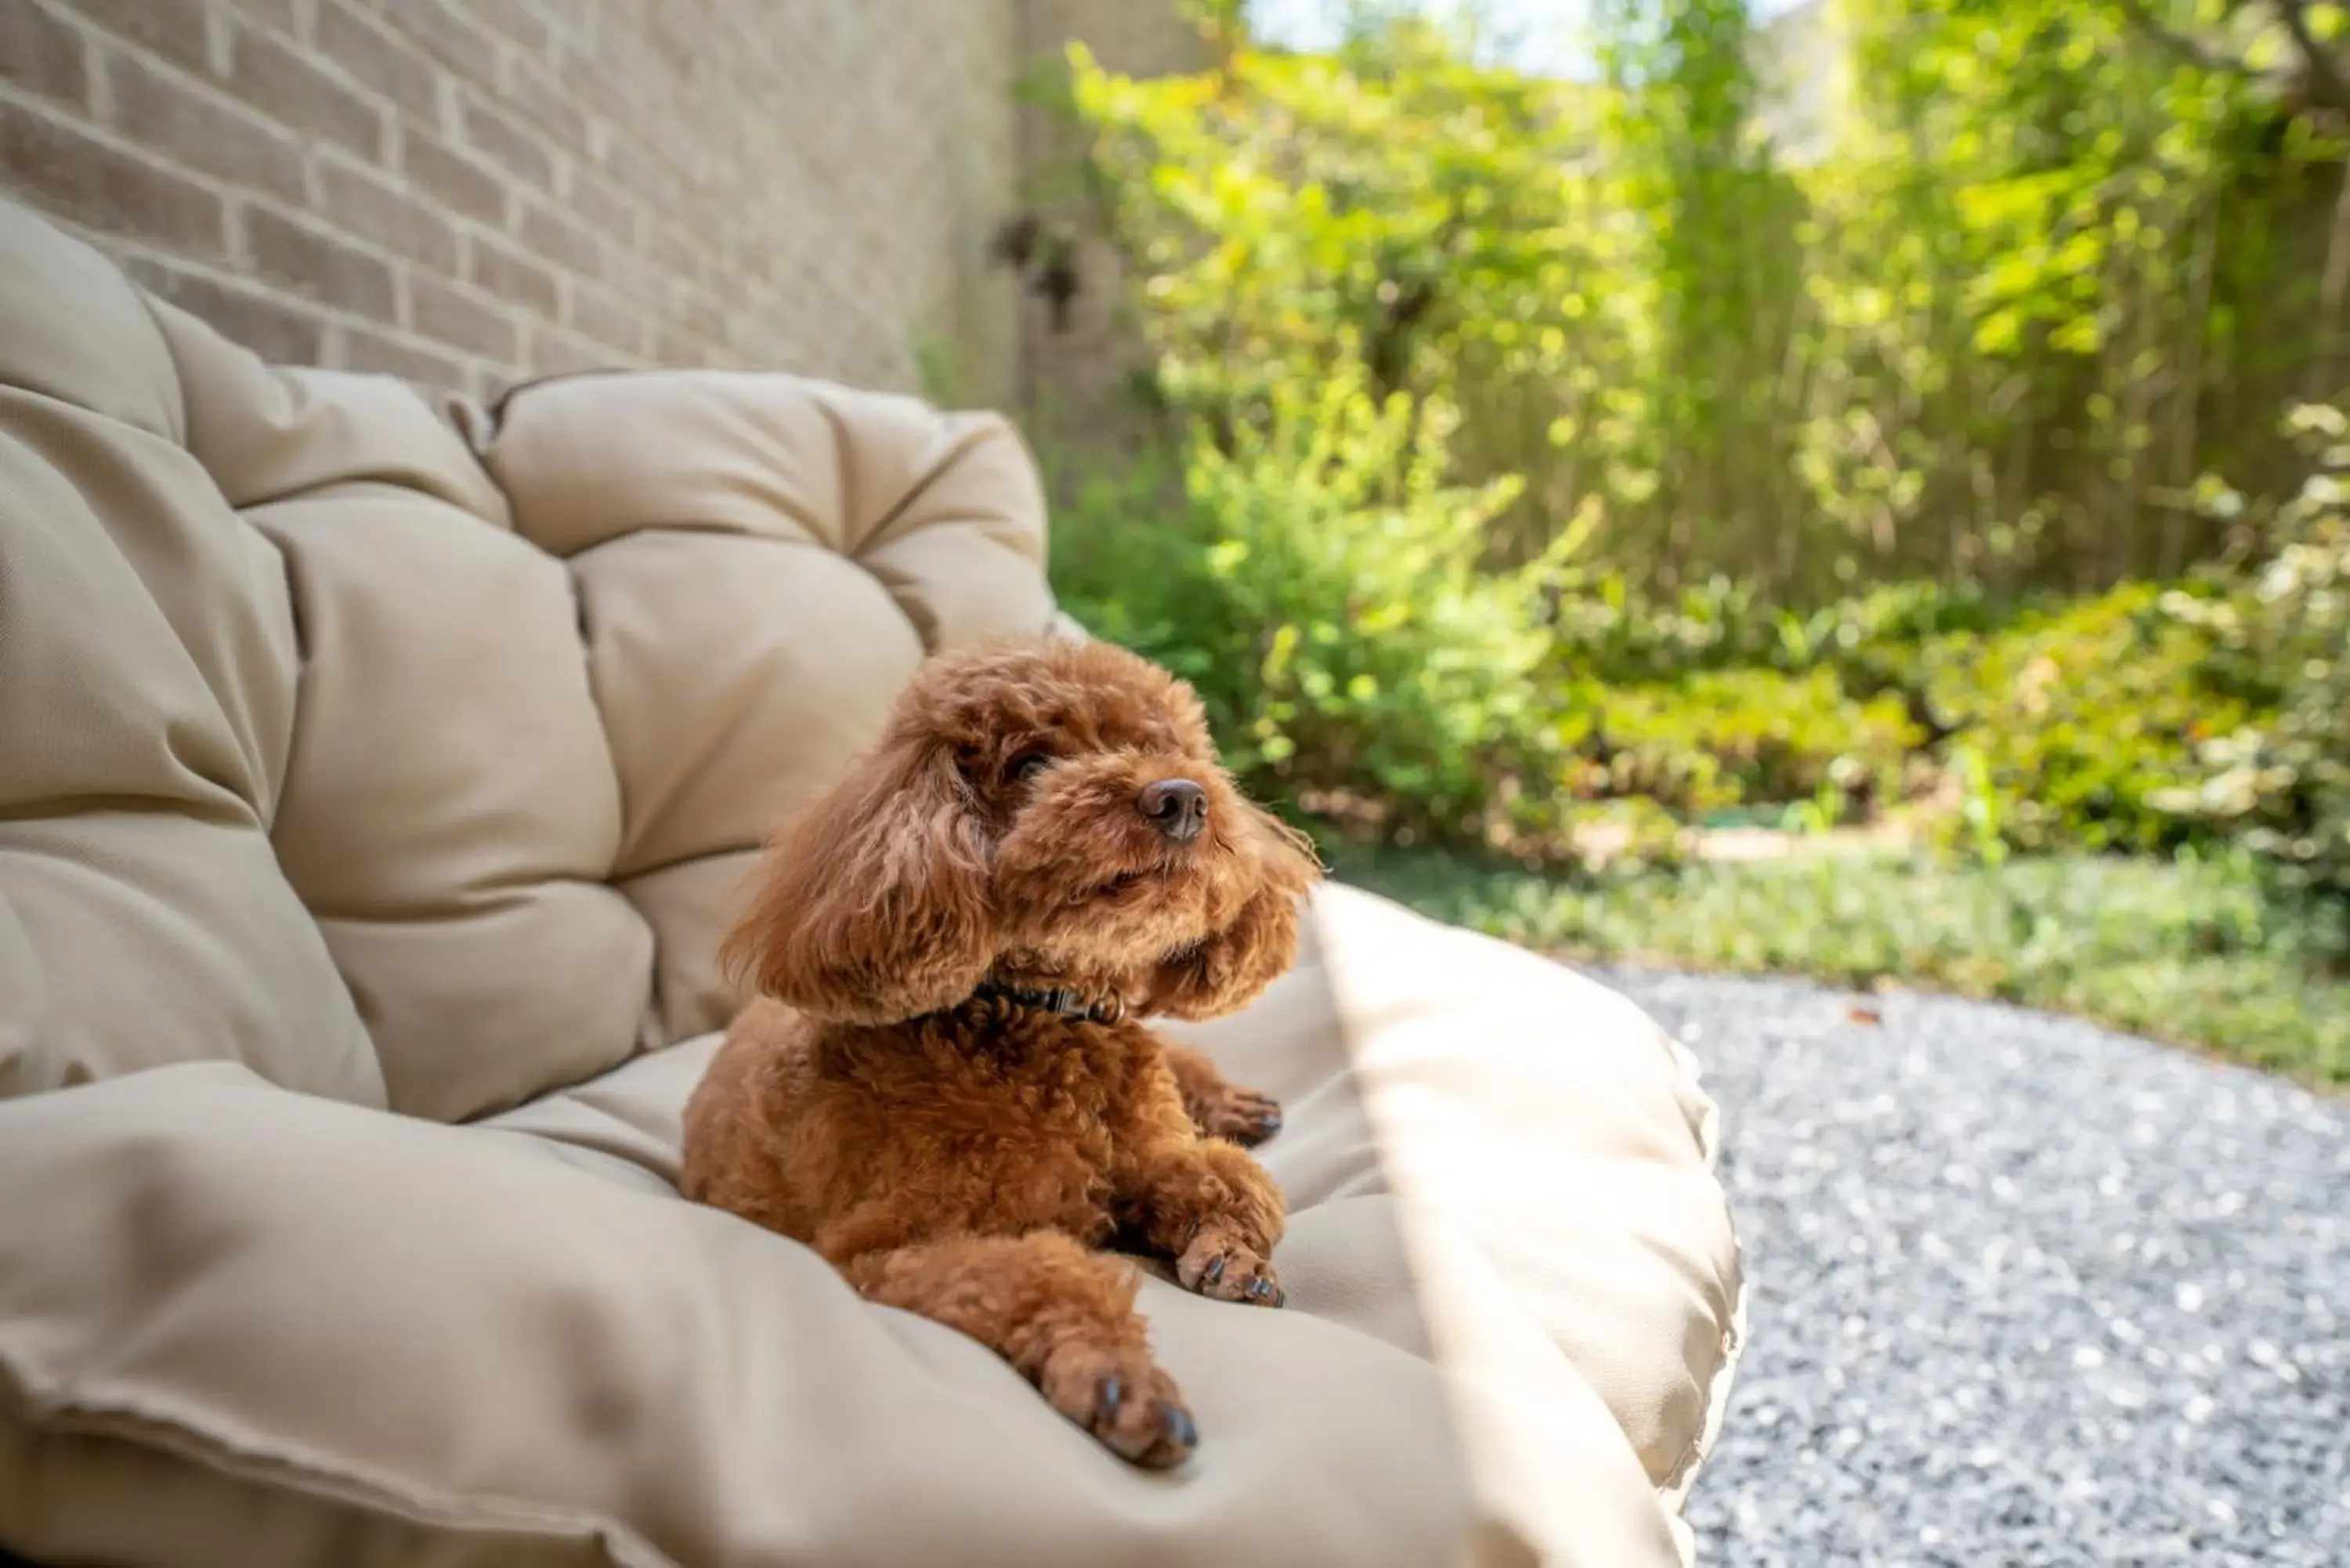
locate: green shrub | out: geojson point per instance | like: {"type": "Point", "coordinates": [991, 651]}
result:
{"type": "Point", "coordinates": [2080, 720]}
{"type": "Point", "coordinates": [1707, 361]}
{"type": "Point", "coordinates": [2051, 724]}
{"type": "Point", "coordinates": [2282, 783]}
{"type": "Point", "coordinates": [1322, 586]}
{"type": "Point", "coordinates": [1717, 739]}
{"type": "Point", "coordinates": [1609, 631]}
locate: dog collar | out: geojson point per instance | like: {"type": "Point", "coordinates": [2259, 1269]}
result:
{"type": "Point", "coordinates": [1065, 1000]}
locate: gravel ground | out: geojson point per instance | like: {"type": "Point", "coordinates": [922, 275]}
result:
{"type": "Point", "coordinates": [2024, 1292]}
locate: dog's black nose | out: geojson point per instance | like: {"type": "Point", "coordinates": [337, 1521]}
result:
{"type": "Point", "coordinates": [1177, 807]}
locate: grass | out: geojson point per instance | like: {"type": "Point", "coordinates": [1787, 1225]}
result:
{"type": "Point", "coordinates": [2196, 952]}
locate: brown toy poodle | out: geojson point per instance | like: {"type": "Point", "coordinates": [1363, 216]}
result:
{"type": "Point", "coordinates": [945, 1088]}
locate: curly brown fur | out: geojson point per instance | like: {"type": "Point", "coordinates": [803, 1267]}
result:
{"type": "Point", "coordinates": [898, 1099]}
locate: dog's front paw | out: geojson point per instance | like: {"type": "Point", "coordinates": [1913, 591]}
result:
{"type": "Point", "coordinates": [1219, 1264]}
{"type": "Point", "coordinates": [1124, 1399]}
{"type": "Point", "coordinates": [1242, 1116]}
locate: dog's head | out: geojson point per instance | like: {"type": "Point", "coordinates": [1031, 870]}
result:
{"type": "Point", "coordinates": [1047, 814]}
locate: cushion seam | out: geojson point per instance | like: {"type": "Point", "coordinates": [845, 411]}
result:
{"type": "Point", "coordinates": [620, 880]}
{"type": "Point", "coordinates": [497, 405]}
{"type": "Point", "coordinates": [806, 540]}
{"type": "Point", "coordinates": [957, 452]}
{"type": "Point", "coordinates": [178, 433]}
{"type": "Point", "coordinates": [47, 1411]}
{"type": "Point", "coordinates": [1729, 1345]}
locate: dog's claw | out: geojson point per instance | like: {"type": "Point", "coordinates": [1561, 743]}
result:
{"type": "Point", "coordinates": [1181, 1430]}
{"type": "Point", "coordinates": [1162, 1438]}
{"type": "Point", "coordinates": [1239, 1115]}
{"type": "Point", "coordinates": [1222, 1269]}
{"type": "Point", "coordinates": [1135, 1411]}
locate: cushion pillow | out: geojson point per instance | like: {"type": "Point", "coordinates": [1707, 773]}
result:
{"type": "Point", "coordinates": [148, 660]}
{"type": "Point", "coordinates": [1511, 1300]}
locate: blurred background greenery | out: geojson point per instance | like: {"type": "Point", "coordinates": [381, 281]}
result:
{"type": "Point", "coordinates": [1861, 489]}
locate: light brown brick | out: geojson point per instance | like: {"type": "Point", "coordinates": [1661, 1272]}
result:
{"type": "Point", "coordinates": [537, 100]}
{"type": "Point", "coordinates": [318, 264]}
{"type": "Point", "coordinates": [472, 323]}
{"type": "Point", "coordinates": [175, 29]}
{"type": "Point", "coordinates": [443, 31]}
{"type": "Point", "coordinates": [170, 113]}
{"type": "Point", "coordinates": [379, 57]}
{"type": "Point", "coordinates": [291, 88]}
{"type": "Point", "coordinates": [669, 247]}
{"type": "Point", "coordinates": [516, 20]}
{"type": "Point", "coordinates": [69, 172]}
{"type": "Point", "coordinates": [598, 205]}
{"type": "Point", "coordinates": [42, 54]}
{"type": "Point", "coordinates": [612, 94]}
{"type": "Point", "coordinates": [507, 144]}
{"type": "Point", "coordinates": [279, 329]}
{"type": "Point", "coordinates": [510, 274]}
{"type": "Point", "coordinates": [281, 17]}
{"type": "Point", "coordinates": [632, 168]}
{"type": "Point", "coordinates": [630, 277]}
{"type": "Point", "coordinates": [554, 352]}
{"type": "Point", "coordinates": [556, 238]}
{"type": "Point", "coordinates": [440, 173]}
{"type": "Point", "coordinates": [366, 203]}
{"type": "Point", "coordinates": [363, 350]}
{"type": "Point", "coordinates": [674, 347]}
{"type": "Point", "coordinates": [603, 318]}
{"type": "Point", "coordinates": [702, 318]}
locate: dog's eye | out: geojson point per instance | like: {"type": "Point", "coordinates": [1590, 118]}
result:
{"type": "Point", "coordinates": [1026, 768]}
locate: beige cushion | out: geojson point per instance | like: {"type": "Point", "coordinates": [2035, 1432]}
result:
{"type": "Point", "coordinates": [1503, 1261]}
{"type": "Point", "coordinates": [360, 754]}
{"type": "Point", "coordinates": [755, 562]}
{"type": "Point", "coordinates": [147, 662]}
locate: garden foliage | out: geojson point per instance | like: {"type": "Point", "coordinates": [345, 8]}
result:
{"type": "Point", "coordinates": [1532, 445]}
{"type": "Point", "coordinates": [2282, 784]}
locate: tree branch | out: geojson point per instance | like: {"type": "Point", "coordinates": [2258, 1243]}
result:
{"type": "Point", "coordinates": [2178, 44]}
{"type": "Point", "coordinates": [2329, 90]}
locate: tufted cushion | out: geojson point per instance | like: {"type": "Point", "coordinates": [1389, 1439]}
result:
{"type": "Point", "coordinates": [148, 673]}
{"type": "Point", "coordinates": [1512, 1293]}
{"type": "Point", "coordinates": [552, 693]}
{"type": "Point", "coordinates": [760, 565]}
{"type": "Point", "coordinates": [408, 756]}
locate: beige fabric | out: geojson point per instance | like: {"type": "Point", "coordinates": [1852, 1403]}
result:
{"type": "Point", "coordinates": [762, 561]}
{"type": "Point", "coordinates": [147, 705]}
{"type": "Point", "coordinates": [474, 799]}
{"type": "Point", "coordinates": [412, 758]}
{"type": "Point", "coordinates": [1453, 1207]}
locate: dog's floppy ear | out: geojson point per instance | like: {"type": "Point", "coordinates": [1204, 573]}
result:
{"type": "Point", "coordinates": [1257, 944]}
{"type": "Point", "coordinates": [872, 903]}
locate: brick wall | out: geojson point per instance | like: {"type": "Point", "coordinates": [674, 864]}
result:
{"type": "Point", "coordinates": [468, 191]}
